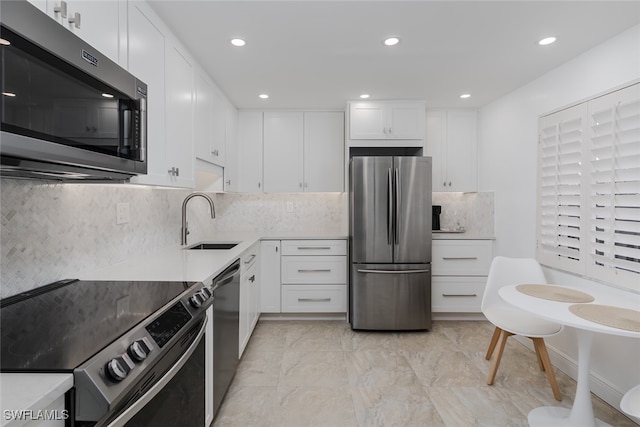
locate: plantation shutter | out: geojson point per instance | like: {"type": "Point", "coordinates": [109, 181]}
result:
{"type": "Point", "coordinates": [614, 187]}
{"type": "Point", "coordinates": [560, 162]}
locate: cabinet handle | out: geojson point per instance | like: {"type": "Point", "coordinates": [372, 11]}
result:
{"type": "Point", "coordinates": [215, 152]}
{"type": "Point", "coordinates": [444, 183]}
{"type": "Point", "coordinates": [453, 258]}
{"type": "Point", "coordinates": [62, 9]}
{"type": "Point", "coordinates": [390, 131]}
{"type": "Point", "coordinates": [252, 278]}
{"type": "Point", "coordinates": [315, 270]}
{"type": "Point", "coordinates": [314, 299]}
{"type": "Point", "coordinates": [449, 183]}
{"type": "Point", "coordinates": [314, 247]}
{"type": "Point", "coordinates": [259, 185]}
{"type": "Point", "coordinates": [300, 185]}
{"type": "Point", "coordinates": [459, 295]}
{"type": "Point", "coordinates": [75, 20]}
{"type": "Point", "coordinates": [174, 171]}
{"type": "Point", "coordinates": [228, 182]}
{"type": "Point", "coordinates": [251, 258]}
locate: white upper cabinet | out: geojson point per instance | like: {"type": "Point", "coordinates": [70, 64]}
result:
{"type": "Point", "coordinates": [323, 151]}
{"type": "Point", "coordinates": [451, 140]}
{"type": "Point", "coordinates": [292, 151]}
{"type": "Point", "coordinates": [231, 149]}
{"type": "Point", "coordinates": [249, 151]}
{"type": "Point", "coordinates": [386, 123]}
{"type": "Point", "coordinates": [101, 23]}
{"type": "Point", "coordinates": [210, 121]}
{"type": "Point", "coordinates": [283, 151]}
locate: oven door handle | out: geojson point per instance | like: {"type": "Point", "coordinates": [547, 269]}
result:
{"type": "Point", "coordinates": [132, 410]}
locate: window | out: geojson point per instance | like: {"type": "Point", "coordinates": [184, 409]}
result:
{"type": "Point", "coordinates": [589, 188]}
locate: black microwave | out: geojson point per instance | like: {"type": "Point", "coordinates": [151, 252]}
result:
{"type": "Point", "coordinates": [68, 112]}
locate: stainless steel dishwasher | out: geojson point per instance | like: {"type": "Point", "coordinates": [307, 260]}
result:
{"type": "Point", "coordinates": [226, 317]}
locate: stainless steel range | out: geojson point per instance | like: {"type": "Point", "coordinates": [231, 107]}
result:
{"type": "Point", "coordinates": [133, 348]}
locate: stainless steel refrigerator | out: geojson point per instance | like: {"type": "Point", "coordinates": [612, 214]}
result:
{"type": "Point", "coordinates": [390, 243]}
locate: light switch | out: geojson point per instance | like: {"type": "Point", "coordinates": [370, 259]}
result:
{"type": "Point", "coordinates": [122, 213]}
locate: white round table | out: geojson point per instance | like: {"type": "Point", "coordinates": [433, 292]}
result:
{"type": "Point", "coordinates": [581, 414]}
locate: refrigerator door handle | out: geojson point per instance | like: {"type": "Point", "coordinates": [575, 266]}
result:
{"type": "Point", "coordinates": [390, 218]}
{"type": "Point", "coordinates": [392, 271]}
{"type": "Point", "coordinates": [396, 217]}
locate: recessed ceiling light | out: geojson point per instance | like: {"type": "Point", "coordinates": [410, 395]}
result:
{"type": "Point", "coordinates": [546, 41]}
{"type": "Point", "coordinates": [107, 95]}
{"type": "Point", "coordinates": [263, 96]}
{"type": "Point", "coordinates": [4, 42]}
{"type": "Point", "coordinates": [238, 42]}
{"type": "Point", "coordinates": [364, 96]}
{"type": "Point", "coordinates": [391, 41]}
{"type": "Point", "coordinates": [9, 94]}
{"type": "Point", "coordinates": [465, 95]}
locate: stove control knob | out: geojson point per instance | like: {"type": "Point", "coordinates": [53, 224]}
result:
{"type": "Point", "coordinates": [117, 369]}
{"type": "Point", "coordinates": [195, 301]}
{"type": "Point", "coordinates": [139, 350]}
{"type": "Point", "coordinates": [206, 293]}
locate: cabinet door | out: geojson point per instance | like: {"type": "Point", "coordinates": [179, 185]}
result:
{"type": "Point", "coordinates": [405, 120]}
{"type": "Point", "coordinates": [219, 120]}
{"type": "Point", "coordinates": [231, 149]}
{"type": "Point", "coordinates": [324, 151]}
{"type": "Point", "coordinates": [435, 140]}
{"type": "Point", "coordinates": [367, 120]}
{"type": "Point", "coordinates": [462, 130]}
{"type": "Point", "coordinates": [146, 61]}
{"type": "Point", "coordinates": [270, 276]}
{"type": "Point", "coordinates": [179, 119]}
{"type": "Point", "coordinates": [250, 151]}
{"type": "Point", "coordinates": [283, 144]}
{"type": "Point", "coordinates": [99, 24]}
{"type": "Point", "coordinates": [204, 118]}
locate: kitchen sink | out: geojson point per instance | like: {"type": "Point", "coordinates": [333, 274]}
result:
{"type": "Point", "coordinates": [213, 246]}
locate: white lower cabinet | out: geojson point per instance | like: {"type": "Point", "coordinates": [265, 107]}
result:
{"type": "Point", "coordinates": [249, 295]}
{"type": "Point", "coordinates": [304, 276]}
{"type": "Point", "coordinates": [460, 269]}
{"type": "Point", "coordinates": [270, 276]}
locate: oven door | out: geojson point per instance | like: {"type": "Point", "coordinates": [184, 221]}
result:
{"type": "Point", "coordinates": [178, 398]}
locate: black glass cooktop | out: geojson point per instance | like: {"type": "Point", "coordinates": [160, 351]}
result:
{"type": "Point", "coordinates": [57, 327]}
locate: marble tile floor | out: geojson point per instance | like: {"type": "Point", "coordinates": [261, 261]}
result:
{"type": "Point", "coordinates": [321, 373]}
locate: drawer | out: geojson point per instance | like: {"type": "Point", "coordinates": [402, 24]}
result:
{"type": "Point", "coordinates": [314, 247]}
{"type": "Point", "coordinates": [314, 299]}
{"type": "Point", "coordinates": [457, 294]}
{"type": "Point", "coordinates": [462, 257]}
{"type": "Point", "coordinates": [314, 270]}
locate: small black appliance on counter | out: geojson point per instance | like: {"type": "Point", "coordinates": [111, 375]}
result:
{"type": "Point", "coordinates": [435, 222]}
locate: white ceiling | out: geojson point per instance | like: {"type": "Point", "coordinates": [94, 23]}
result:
{"type": "Point", "coordinates": [319, 54]}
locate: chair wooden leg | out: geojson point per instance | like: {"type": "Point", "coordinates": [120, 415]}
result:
{"type": "Point", "coordinates": [502, 341]}
{"type": "Point", "coordinates": [539, 358]}
{"type": "Point", "coordinates": [492, 344]}
{"type": "Point", "coordinates": [546, 362]}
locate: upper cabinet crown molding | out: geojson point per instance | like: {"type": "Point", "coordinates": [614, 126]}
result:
{"type": "Point", "coordinates": [386, 123]}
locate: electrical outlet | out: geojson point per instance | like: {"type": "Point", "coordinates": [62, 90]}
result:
{"type": "Point", "coordinates": [289, 207]}
{"type": "Point", "coordinates": [122, 213]}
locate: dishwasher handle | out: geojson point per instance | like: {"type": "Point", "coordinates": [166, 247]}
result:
{"type": "Point", "coordinates": [226, 276]}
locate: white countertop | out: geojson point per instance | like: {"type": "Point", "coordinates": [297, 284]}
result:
{"type": "Point", "coordinates": [174, 263]}
{"type": "Point", "coordinates": [30, 392]}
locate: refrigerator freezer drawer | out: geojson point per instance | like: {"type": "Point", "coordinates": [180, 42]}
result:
{"type": "Point", "coordinates": [314, 269]}
{"type": "Point", "coordinates": [314, 299]}
{"type": "Point", "coordinates": [393, 297]}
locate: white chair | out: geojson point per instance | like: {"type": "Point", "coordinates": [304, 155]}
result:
{"type": "Point", "coordinates": [510, 320]}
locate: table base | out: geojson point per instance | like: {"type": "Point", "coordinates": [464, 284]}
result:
{"type": "Point", "coordinates": [554, 416]}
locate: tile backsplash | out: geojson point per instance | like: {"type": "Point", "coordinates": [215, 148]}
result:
{"type": "Point", "coordinates": [53, 231]}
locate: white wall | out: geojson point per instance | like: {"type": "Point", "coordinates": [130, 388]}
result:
{"type": "Point", "coordinates": [507, 165]}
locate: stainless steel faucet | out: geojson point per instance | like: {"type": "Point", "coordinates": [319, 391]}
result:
{"type": "Point", "coordinates": [185, 231]}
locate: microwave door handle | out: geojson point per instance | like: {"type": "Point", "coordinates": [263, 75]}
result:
{"type": "Point", "coordinates": [132, 410]}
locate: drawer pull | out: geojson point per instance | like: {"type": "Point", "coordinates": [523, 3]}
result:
{"type": "Point", "coordinates": [459, 295]}
{"type": "Point", "coordinates": [326, 248]}
{"type": "Point", "coordinates": [458, 258]}
{"type": "Point", "coordinates": [315, 270]}
{"type": "Point", "coordinates": [314, 299]}
{"type": "Point", "coordinates": [251, 258]}
{"type": "Point", "coordinates": [252, 278]}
